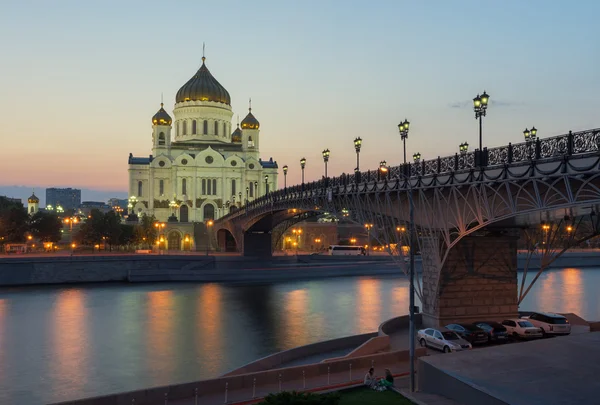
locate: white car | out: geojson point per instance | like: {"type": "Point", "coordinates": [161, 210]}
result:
{"type": "Point", "coordinates": [521, 328]}
{"type": "Point", "coordinates": [442, 339]}
{"type": "Point", "coordinates": [550, 324]}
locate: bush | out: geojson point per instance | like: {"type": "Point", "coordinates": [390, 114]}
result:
{"type": "Point", "coordinates": [301, 398]}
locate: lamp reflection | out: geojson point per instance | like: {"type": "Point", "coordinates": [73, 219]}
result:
{"type": "Point", "coordinates": [399, 301]}
{"type": "Point", "coordinates": [209, 315]}
{"type": "Point", "coordinates": [295, 332]}
{"type": "Point", "coordinates": [561, 291]}
{"type": "Point", "coordinates": [160, 340]}
{"type": "Point", "coordinates": [368, 305]}
{"type": "Point", "coordinates": [70, 341]}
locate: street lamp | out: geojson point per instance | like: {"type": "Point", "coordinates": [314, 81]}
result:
{"type": "Point", "coordinates": [247, 194]}
{"type": "Point", "coordinates": [383, 170]}
{"type": "Point", "coordinates": [480, 104]}
{"type": "Point", "coordinates": [255, 189]}
{"type": "Point", "coordinates": [266, 183]}
{"type": "Point", "coordinates": [368, 226]}
{"type": "Point", "coordinates": [357, 145]}
{"type": "Point", "coordinates": [417, 157]}
{"type": "Point", "coordinates": [209, 224]}
{"type": "Point", "coordinates": [403, 129]}
{"type": "Point", "coordinates": [71, 221]}
{"type": "Point", "coordinates": [302, 165]}
{"type": "Point", "coordinates": [285, 170]}
{"type": "Point", "coordinates": [240, 197]}
{"type": "Point", "coordinates": [530, 138]}
{"type": "Point", "coordinates": [464, 148]}
{"type": "Point", "coordinates": [326, 159]}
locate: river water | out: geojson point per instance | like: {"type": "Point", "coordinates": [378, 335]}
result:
{"type": "Point", "coordinates": [60, 343]}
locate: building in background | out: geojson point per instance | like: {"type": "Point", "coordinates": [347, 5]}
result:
{"type": "Point", "coordinates": [67, 198]}
{"type": "Point", "coordinates": [86, 207]}
{"type": "Point", "coordinates": [199, 169]}
{"type": "Point", "coordinates": [33, 204]}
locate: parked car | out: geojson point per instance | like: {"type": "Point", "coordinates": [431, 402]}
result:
{"type": "Point", "coordinates": [469, 332]}
{"type": "Point", "coordinates": [495, 331]}
{"type": "Point", "coordinates": [442, 339]}
{"type": "Point", "coordinates": [550, 324]}
{"type": "Point", "coordinates": [521, 328]}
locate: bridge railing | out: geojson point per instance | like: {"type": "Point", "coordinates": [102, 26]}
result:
{"type": "Point", "coordinates": [573, 143]}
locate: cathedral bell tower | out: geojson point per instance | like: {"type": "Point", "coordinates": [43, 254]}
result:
{"type": "Point", "coordinates": [33, 204]}
{"type": "Point", "coordinates": [250, 133]}
{"type": "Point", "coordinates": [161, 131]}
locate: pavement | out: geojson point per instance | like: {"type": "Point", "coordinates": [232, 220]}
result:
{"type": "Point", "coordinates": [319, 383]}
{"type": "Point", "coordinates": [560, 370]}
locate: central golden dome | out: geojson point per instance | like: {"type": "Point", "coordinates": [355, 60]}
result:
{"type": "Point", "coordinates": [203, 87]}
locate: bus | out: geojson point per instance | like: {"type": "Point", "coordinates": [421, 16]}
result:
{"type": "Point", "coordinates": [339, 250]}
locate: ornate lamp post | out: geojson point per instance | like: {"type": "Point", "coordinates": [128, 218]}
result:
{"type": "Point", "coordinates": [480, 104]}
{"type": "Point", "coordinates": [368, 226]}
{"type": "Point", "coordinates": [357, 145]}
{"type": "Point", "coordinates": [71, 221]}
{"type": "Point", "coordinates": [302, 165]}
{"type": "Point", "coordinates": [209, 225]}
{"type": "Point", "coordinates": [247, 194]}
{"type": "Point", "coordinates": [326, 159]}
{"type": "Point", "coordinates": [403, 129]}
{"type": "Point", "coordinates": [383, 169]}
{"type": "Point", "coordinates": [417, 157]}
{"type": "Point", "coordinates": [464, 148]}
{"type": "Point", "coordinates": [255, 189]}
{"type": "Point", "coordinates": [266, 183]}
{"type": "Point", "coordinates": [530, 138]}
{"type": "Point", "coordinates": [285, 170]}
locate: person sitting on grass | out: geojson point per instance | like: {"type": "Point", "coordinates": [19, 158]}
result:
{"type": "Point", "coordinates": [386, 382]}
{"type": "Point", "coordinates": [370, 380]}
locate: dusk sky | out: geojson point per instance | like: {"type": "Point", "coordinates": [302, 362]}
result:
{"type": "Point", "coordinates": [81, 80]}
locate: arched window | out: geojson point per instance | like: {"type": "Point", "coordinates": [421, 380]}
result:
{"type": "Point", "coordinates": [185, 127]}
{"type": "Point", "coordinates": [177, 132]}
{"type": "Point", "coordinates": [216, 128]}
{"type": "Point", "coordinates": [251, 189]}
{"type": "Point", "coordinates": [209, 211]}
{"type": "Point", "coordinates": [250, 142]}
{"type": "Point", "coordinates": [224, 129]}
{"type": "Point", "coordinates": [233, 187]}
{"type": "Point", "coordinates": [203, 186]}
{"type": "Point", "coordinates": [139, 189]}
{"type": "Point", "coordinates": [161, 138]}
{"type": "Point", "coordinates": [209, 191]}
{"type": "Point", "coordinates": [214, 190]}
{"type": "Point", "coordinates": [183, 186]}
{"type": "Point", "coordinates": [194, 127]}
{"type": "Point", "coordinates": [161, 187]}
{"type": "Point", "coordinates": [205, 129]}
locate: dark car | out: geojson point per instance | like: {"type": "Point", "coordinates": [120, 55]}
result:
{"type": "Point", "coordinates": [495, 331]}
{"type": "Point", "coordinates": [469, 332]}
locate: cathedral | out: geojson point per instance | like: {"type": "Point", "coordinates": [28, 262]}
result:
{"type": "Point", "coordinates": [200, 169]}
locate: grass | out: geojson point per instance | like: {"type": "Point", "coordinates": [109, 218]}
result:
{"type": "Point", "coordinates": [366, 396]}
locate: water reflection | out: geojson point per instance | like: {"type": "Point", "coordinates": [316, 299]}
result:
{"type": "Point", "coordinates": [295, 317]}
{"type": "Point", "coordinates": [368, 303]}
{"type": "Point", "coordinates": [159, 341]}
{"type": "Point", "coordinates": [209, 319]}
{"type": "Point", "coordinates": [70, 342]}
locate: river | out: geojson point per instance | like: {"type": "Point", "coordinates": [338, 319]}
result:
{"type": "Point", "coordinates": [59, 343]}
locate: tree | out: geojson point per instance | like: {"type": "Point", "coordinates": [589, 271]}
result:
{"type": "Point", "coordinates": [146, 232]}
{"type": "Point", "coordinates": [91, 231]}
{"type": "Point", "coordinates": [127, 235]}
{"type": "Point", "coordinates": [13, 221]}
{"type": "Point", "coordinates": [45, 226]}
{"type": "Point", "coordinates": [111, 228]}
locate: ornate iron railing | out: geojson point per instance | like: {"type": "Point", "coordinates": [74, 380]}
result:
{"type": "Point", "coordinates": [573, 143]}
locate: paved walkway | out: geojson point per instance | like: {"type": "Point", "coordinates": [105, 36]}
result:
{"type": "Point", "coordinates": [319, 383]}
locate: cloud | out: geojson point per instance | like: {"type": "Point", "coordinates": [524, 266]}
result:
{"type": "Point", "coordinates": [494, 103]}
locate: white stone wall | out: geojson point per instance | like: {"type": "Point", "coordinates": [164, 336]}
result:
{"type": "Point", "coordinates": [201, 111]}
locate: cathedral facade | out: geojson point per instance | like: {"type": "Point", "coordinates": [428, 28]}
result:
{"type": "Point", "coordinates": [200, 169]}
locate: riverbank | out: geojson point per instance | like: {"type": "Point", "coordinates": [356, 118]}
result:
{"type": "Point", "coordinates": [137, 268]}
{"type": "Point", "coordinates": [155, 268]}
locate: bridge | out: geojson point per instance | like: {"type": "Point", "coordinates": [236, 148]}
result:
{"type": "Point", "coordinates": [472, 212]}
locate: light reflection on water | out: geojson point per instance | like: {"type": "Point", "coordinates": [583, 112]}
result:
{"type": "Point", "coordinates": [60, 343]}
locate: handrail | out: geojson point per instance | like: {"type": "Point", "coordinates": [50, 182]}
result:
{"type": "Point", "coordinates": [572, 143]}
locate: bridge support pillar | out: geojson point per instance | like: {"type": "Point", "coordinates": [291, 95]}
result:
{"type": "Point", "coordinates": [257, 244]}
{"type": "Point", "coordinates": [478, 281]}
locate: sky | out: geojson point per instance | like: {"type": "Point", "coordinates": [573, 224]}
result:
{"type": "Point", "coordinates": [80, 81]}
